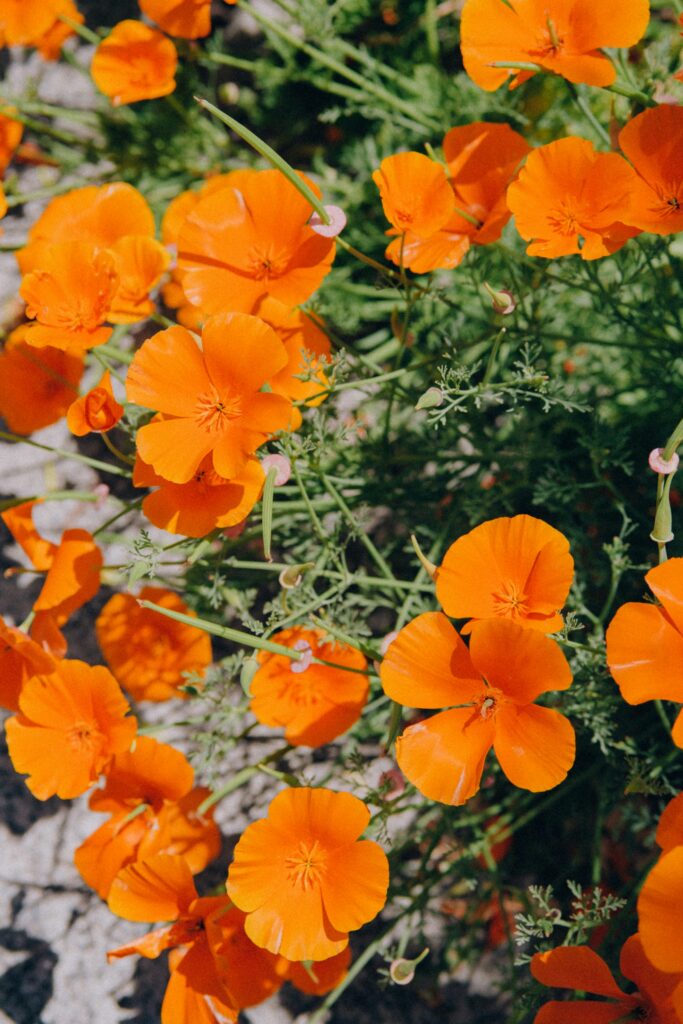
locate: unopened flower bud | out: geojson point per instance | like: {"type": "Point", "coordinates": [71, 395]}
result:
{"type": "Point", "coordinates": [402, 971]}
{"type": "Point", "coordinates": [307, 656]}
{"type": "Point", "coordinates": [281, 465]}
{"type": "Point", "coordinates": [336, 225]}
{"type": "Point", "coordinates": [503, 301]}
{"type": "Point", "coordinates": [431, 399]}
{"type": "Point", "coordinates": [292, 576]}
{"type": "Point", "coordinates": [661, 465]}
{"type": "Point", "coordinates": [428, 566]}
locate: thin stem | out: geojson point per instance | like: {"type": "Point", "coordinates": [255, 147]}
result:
{"type": "Point", "coordinates": [364, 538]}
{"type": "Point", "coordinates": [104, 467]}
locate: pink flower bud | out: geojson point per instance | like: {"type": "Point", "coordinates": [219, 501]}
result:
{"type": "Point", "coordinates": [384, 645]}
{"type": "Point", "coordinates": [336, 225]}
{"type": "Point", "coordinates": [304, 663]}
{"type": "Point", "coordinates": [660, 465]}
{"type": "Point", "coordinates": [281, 465]}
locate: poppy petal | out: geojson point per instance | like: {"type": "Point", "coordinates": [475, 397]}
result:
{"type": "Point", "coordinates": [157, 889]}
{"type": "Point", "coordinates": [575, 967]}
{"type": "Point", "coordinates": [521, 662]}
{"type": "Point", "coordinates": [644, 654]}
{"type": "Point", "coordinates": [535, 746]}
{"type": "Point", "coordinates": [357, 888]}
{"type": "Point", "coordinates": [660, 912]}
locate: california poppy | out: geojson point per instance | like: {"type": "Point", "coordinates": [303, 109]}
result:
{"type": "Point", "coordinates": [481, 160]}
{"type": "Point", "coordinates": [69, 297]}
{"type": "Point", "coordinates": [148, 652]}
{"type": "Point", "coordinates": [211, 396]}
{"type": "Point", "coordinates": [645, 643]}
{"type": "Point", "coordinates": [97, 410]}
{"type": "Point", "coordinates": [490, 691]}
{"type": "Point", "coordinates": [72, 577]}
{"type": "Point", "coordinates": [653, 142]}
{"type": "Point", "coordinates": [206, 502]}
{"type": "Point", "coordinates": [20, 659]}
{"type": "Point", "coordinates": [140, 263]}
{"type": "Point", "coordinates": [580, 967]}
{"type": "Point", "coordinates": [134, 62]}
{"type": "Point", "coordinates": [49, 44]}
{"type": "Point", "coordinates": [303, 879]}
{"type": "Point", "coordinates": [69, 726]}
{"type": "Point", "coordinates": [415, 193]}
{"type": "Point", "coordinates": [189, 19]}
{"type": "Point", "coordinates": [515, 568]}
{"type": "Point", "coordinates": [314, 703]}
{"type": "Point", "coordinates": [26, 22]}
{"type": "Point", "coordinates": [319, 978]}
{"type": "Point", "coordinates": [242, 243]}
{"type": "Point", "coordinates": [569, 199]}
{"type": "Point", "coordinates": [562, 36]}
{"type": "Point", "coordinates": [153, 809]}
{"type": "Point", "coordinates": [102, 215]}
{"type": "Point", "coordinates": [37, 386]}
{"type": "Point", "coordinates": [660, 903]}
{"type": "Point", "coordinates": [216, 970]}
{"type": "Point", "coordinates": [11, 131]}
{"type": "Point", "coordinates": [307, 347]}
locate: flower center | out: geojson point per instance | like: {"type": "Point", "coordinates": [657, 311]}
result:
{"type": "Point", "coordinates": [214, 411]}
{"type": "Point", "coordinates": [549, 42]}
{"type": "Point", "coordinates": [510, 601]}
{"type": "Point", "coordinates": [264, 264]}
{"type": "Point", "coordinates": [83, 736]}
{"type": "Point", "coordinates": [307, 866]}
{"type": "Point", "coordinates": [563, 220]}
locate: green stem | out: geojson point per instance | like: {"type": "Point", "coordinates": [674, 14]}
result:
{"type": "Point", "coordinates": [269, 153]}
{"type": "Point", "coordinates": [104, 467]}
{"type": "Point", "coordinates": [85, 33]}
{"type": "Point", "coordinates": [240, 778]}
{"type": "Point", "coordinates": [588, 113]}
{"type": "Point", "coordinates": [364, 538]}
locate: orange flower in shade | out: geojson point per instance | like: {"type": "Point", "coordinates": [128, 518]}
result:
{"type": "Point", "coordinates": [20, 659]}
{"type": "Point", "coordinates": [97, 410]}
{"type": "Point", "coordinates": [147, 651]}
{"type": "Point", "coordinates": [660, 903]}
{"type": "Point", "coordinates": [134, 63]}
{"type": "Point", "coordinates": [306, 345]}
{"type": "Point", "coordinates": [49, 44]}
{"type": "Point", "coordinates": [653, 142]}
{"type": "Point", "coordinates": [482, 160]}
{"type": "Point", "coordinates": [562, 36]}
{"type": "Point", "coordinates": [70, 724]}
{"type": "Point", "coordinates": [153, 807]}
{"type": "Point", "coordinates": [188, 19]}
{"type": "Point", "coordinates": [314, 703]}
{"type": "Point", "coordinates": [215, 969]}
{"type": "Point", "coordinates": [580, 967]}
{"type": "Point", "coordinates": [645, 643]}
{"type": "Point", "coordinates": [494, 685]}
{"type": "Point", "coordinates": [415, 193]}
{"type": "Point", "coordinates": [37, 386]}
{"type": "Point", "coordinates": [515, 568]}
{"type": "Point", "coordinates": [569, 199]}
{"type": "Point", "coordinates": [303, 879]}
{"type": "Point", "coordinates": [10, 136]}
{"type": "Point", "coordinates": [205, 503]}
{"type": "Point", "coordinates": [69, 297]}
{"type": "Point", "coordinates": [102, 215]}
{"type": "Point", "coordinates": [240, 244]}
{"type": "Point", "coordinates": [211, 396]}
{"type": "Point", "coordinates": [35, 23]}
{"type": "Point", "coordinates": [72, 570]}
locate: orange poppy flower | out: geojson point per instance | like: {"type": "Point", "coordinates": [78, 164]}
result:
{"type": "Point", "coordinates": [562, 36]}
{"type": "Point", "coordinates": [217, 969]}
{"type": "Point", "coordinates": [102, 215]}
{"type": "Point", "coordinates": [205, 503]}
{"type": "Point", "coordinates": [319, 978]}
{"type": "Point", "coordinates": [243, 243]}
{"type": "Point", "coordinates": [10, 136]}
{"type": "Point", "coordinates": [211, 397]}
{"type": "Point", "coordinates": [302, 877]}
{"type": "Point", "coordinates": [569, 199]}
{"type": "Point", "coordinates": [306, 345]}
{"type": "Point", "coordinates": [645, 643]}
{"type": "Point", "coordinates": [188, 19]}
{"type": "Point", "coordinates": [147, 651]}
{"type": "Point", "coordinates": [653, 142]}
{"type": "Point", "coordinates": [140, 262]}
{"type": "Point", "coordinates": [49, 44]}
{"type": "Point", "coordinates": [72, 570]}
{"type": "Point", "coordinates": [415, 193]}
{"type": "Point", "coordinates": [134, 63]}
{"type": "Point", "coordinates": [20, 659]}
{"type": "Point", "coordinates": [660, 903]}
{"type": "Point", "coordinates": [70, 724]}
{"type": "Point", "coordinates": [37, 386]}
{"type": "Point", "coordinates": [580, 967]}
{"type": "Point", "coordinates": [490, 691]}
{"type": "Point", "coordinates": [314, 703]}
{"type": "Point", "coordinates": [515, 568]}
{"type": "Point", "coordinates": [482, 160]}
{"type": "Point", "coordinates": [69, 297]}
{"type": "Point", "coordinates": [153, 806]}
{"type": "Point", "coordinates": [96, 411]}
